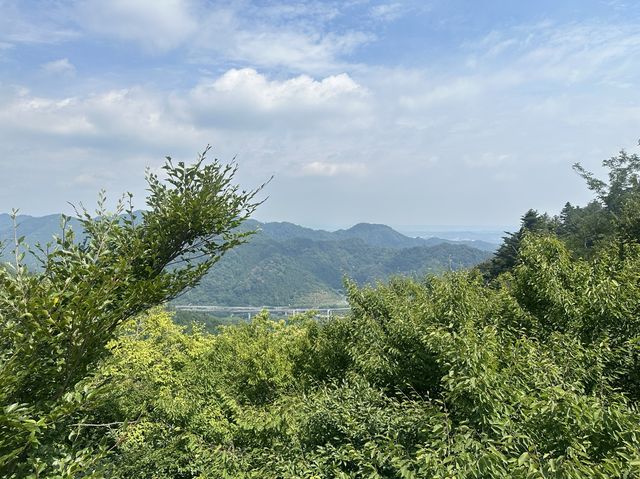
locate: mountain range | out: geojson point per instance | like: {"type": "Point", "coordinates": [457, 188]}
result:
{"type": "Point", "coordinates": [379, 235]}
{"type": "Point", "coordinates": [288, 264]}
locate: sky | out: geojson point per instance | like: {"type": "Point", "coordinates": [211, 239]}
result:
{"type": "Point", "coordinates": [432, 112]}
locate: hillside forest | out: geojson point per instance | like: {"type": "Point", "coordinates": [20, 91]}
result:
{"type": "Point", "coordinates": [525, 366]}
{"type": "Point", "coordinates": [289, 265]}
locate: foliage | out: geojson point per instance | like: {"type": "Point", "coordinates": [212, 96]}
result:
{"type": "Point", "coordinates": [614, 215]}
{"type": "Point", "coordinates": [304, 272]}
{"type": "Point", "coordinates": [209, 321]}
{"type": "Point", "coordinates": [534, 377]}
{"type": "Point", "coordinates": [535, 374]}
{"type": "Point", "coordinates": [55, 324]}
{"type": "Point", "coordinates": [506, 257]}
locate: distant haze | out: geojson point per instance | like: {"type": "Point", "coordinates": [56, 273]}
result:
{"type": "Point", "coordinates": [491, 234]}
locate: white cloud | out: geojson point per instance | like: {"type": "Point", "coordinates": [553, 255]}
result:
{"type": "Point", "coordinates": [27, 113]}
{"type": "Point", "coordinates": [266, 94]}
{"type": "Point", "coordinates": [159, 25]}
{"type": "Point", "coordinates": [43, 24]}
{"type": "Point", "coordinates": [297, 50]}
{"type": "Point", "coordinates": [567, 54]}
{"type": "Point", "coordinates": [482, 134]}
{"type": "Point", "coordinates": [420, 136]}
{"type": "Point", "coordinates": [246, 99]}
{"type": "Point", "coordinates": [297, 37]}
{"type": "Point", "coordinates": [296, 117]}
{"type": "Point", "coordinates": [59, 67]}
{"type": "Point", "coordinates": [387, 11]}
{"type": "Point", "coordinates": [323, 168]}
{"type": "Point", "coordinates": [322, 10]}
{"type": "Point", "coordinates": [136, 112]}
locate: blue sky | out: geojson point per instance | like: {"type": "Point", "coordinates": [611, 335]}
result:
{"type": "Point", "coordinates": [399, 112]}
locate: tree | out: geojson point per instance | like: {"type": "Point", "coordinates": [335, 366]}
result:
{"type": "Point", "coordinates": [613, 214]}
{"type": "Point", "coordinates": [54, 325]}
{"type": "Point", "coordinates": [506, 256]}
{"type": "Point", "coordinates": [585, 228]}
{"type": "Point", "coordinates": [445, 377]}
{"type": "Point", "coordinates": [624, 171]}
{"type": "Point", "coordinates": [619, 196]}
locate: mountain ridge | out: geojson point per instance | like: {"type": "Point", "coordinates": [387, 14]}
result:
{"type": "Point", "coordinates": [374, 234]}
{"type": "Point", "coordinates": [42, 229]}
{"type": "Point", "coordinates": [288, 264]}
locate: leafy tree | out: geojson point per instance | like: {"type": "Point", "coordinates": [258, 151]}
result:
{"type": "Point", "coordinates": [586, 228]}
{"type": "Point", "coordinates": [619, 196]}
{"type": "Point", "coordinates": [506, 256]}
{"type": "Point", "coordinates": [623, 173]}
{"type": "Point", "coordinates": [54, 325]}
{"type": "Point", "coordinates": [614, 213]}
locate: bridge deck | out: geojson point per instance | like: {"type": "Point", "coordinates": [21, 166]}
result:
{"type": "Point", "coordinates": [252, 310]}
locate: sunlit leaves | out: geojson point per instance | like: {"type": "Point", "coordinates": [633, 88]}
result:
{"type": "Point", "coordinates": [449, 378]}
{"type": "Point", "coordinates": [55, 323]}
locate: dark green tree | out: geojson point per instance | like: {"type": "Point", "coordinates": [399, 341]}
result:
{"type": "Point", "coordinates": [619, 198]}
{"type": "Point", "coordinates": [584, 228]}
{"type": "Point", "coordinates": [506, 257]}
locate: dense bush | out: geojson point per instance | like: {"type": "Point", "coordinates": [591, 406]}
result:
{"type": "Point", "coordinates": [535, 377]}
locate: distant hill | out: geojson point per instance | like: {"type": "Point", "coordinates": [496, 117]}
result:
{"type": "Point", "coordinates": [304, 272]}
{"type": "Point", "coordinates": [288, 264]}
{"type": "Point", "coordinates": [492, 235]}
{"type": "Point", "coordinates": [372, 234]}
{"type": "Point", "coordinates": [382, 236]}
{"type": "Point", "coordinates": [35, 229]}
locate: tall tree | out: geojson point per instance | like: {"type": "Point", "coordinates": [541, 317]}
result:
{"type": "Point", "coordinates": [619, 196]}
{"type": "Point", "coordinates": [54, 325]}
{"type": "Point", "coordinates": [506, 257]}
{"type": "Point", "coordinates": [614, 214]}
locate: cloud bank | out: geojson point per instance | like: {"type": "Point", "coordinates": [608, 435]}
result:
{"type": "Point", "coordinates": [302, 92]}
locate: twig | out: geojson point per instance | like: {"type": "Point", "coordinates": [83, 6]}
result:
{"type": "Point", "coordinates": [107, 424]}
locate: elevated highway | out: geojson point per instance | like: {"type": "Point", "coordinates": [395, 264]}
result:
{"type": "Point", "coordinates": [253, 310]}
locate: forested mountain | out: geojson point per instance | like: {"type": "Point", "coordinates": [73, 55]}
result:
{"type": "Point", "coordinates": [284, 263]}
{"type": "Point", "coordinates": [42, 228]}
{"type": "Point", "coordinates": [379, 235]}
{"type": "Point", "coordinates": [304, 272]}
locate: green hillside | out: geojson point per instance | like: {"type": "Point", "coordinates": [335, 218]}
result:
{"type": "Point", "coordinates": [304, 272]}
{"type": "Point", "coordinates": [288, 264]}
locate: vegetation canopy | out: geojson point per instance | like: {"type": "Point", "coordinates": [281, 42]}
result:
{"type": "Point", "coordinates": [526, 367]}
{"type": "Point", "coordinates": [55, 324]}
